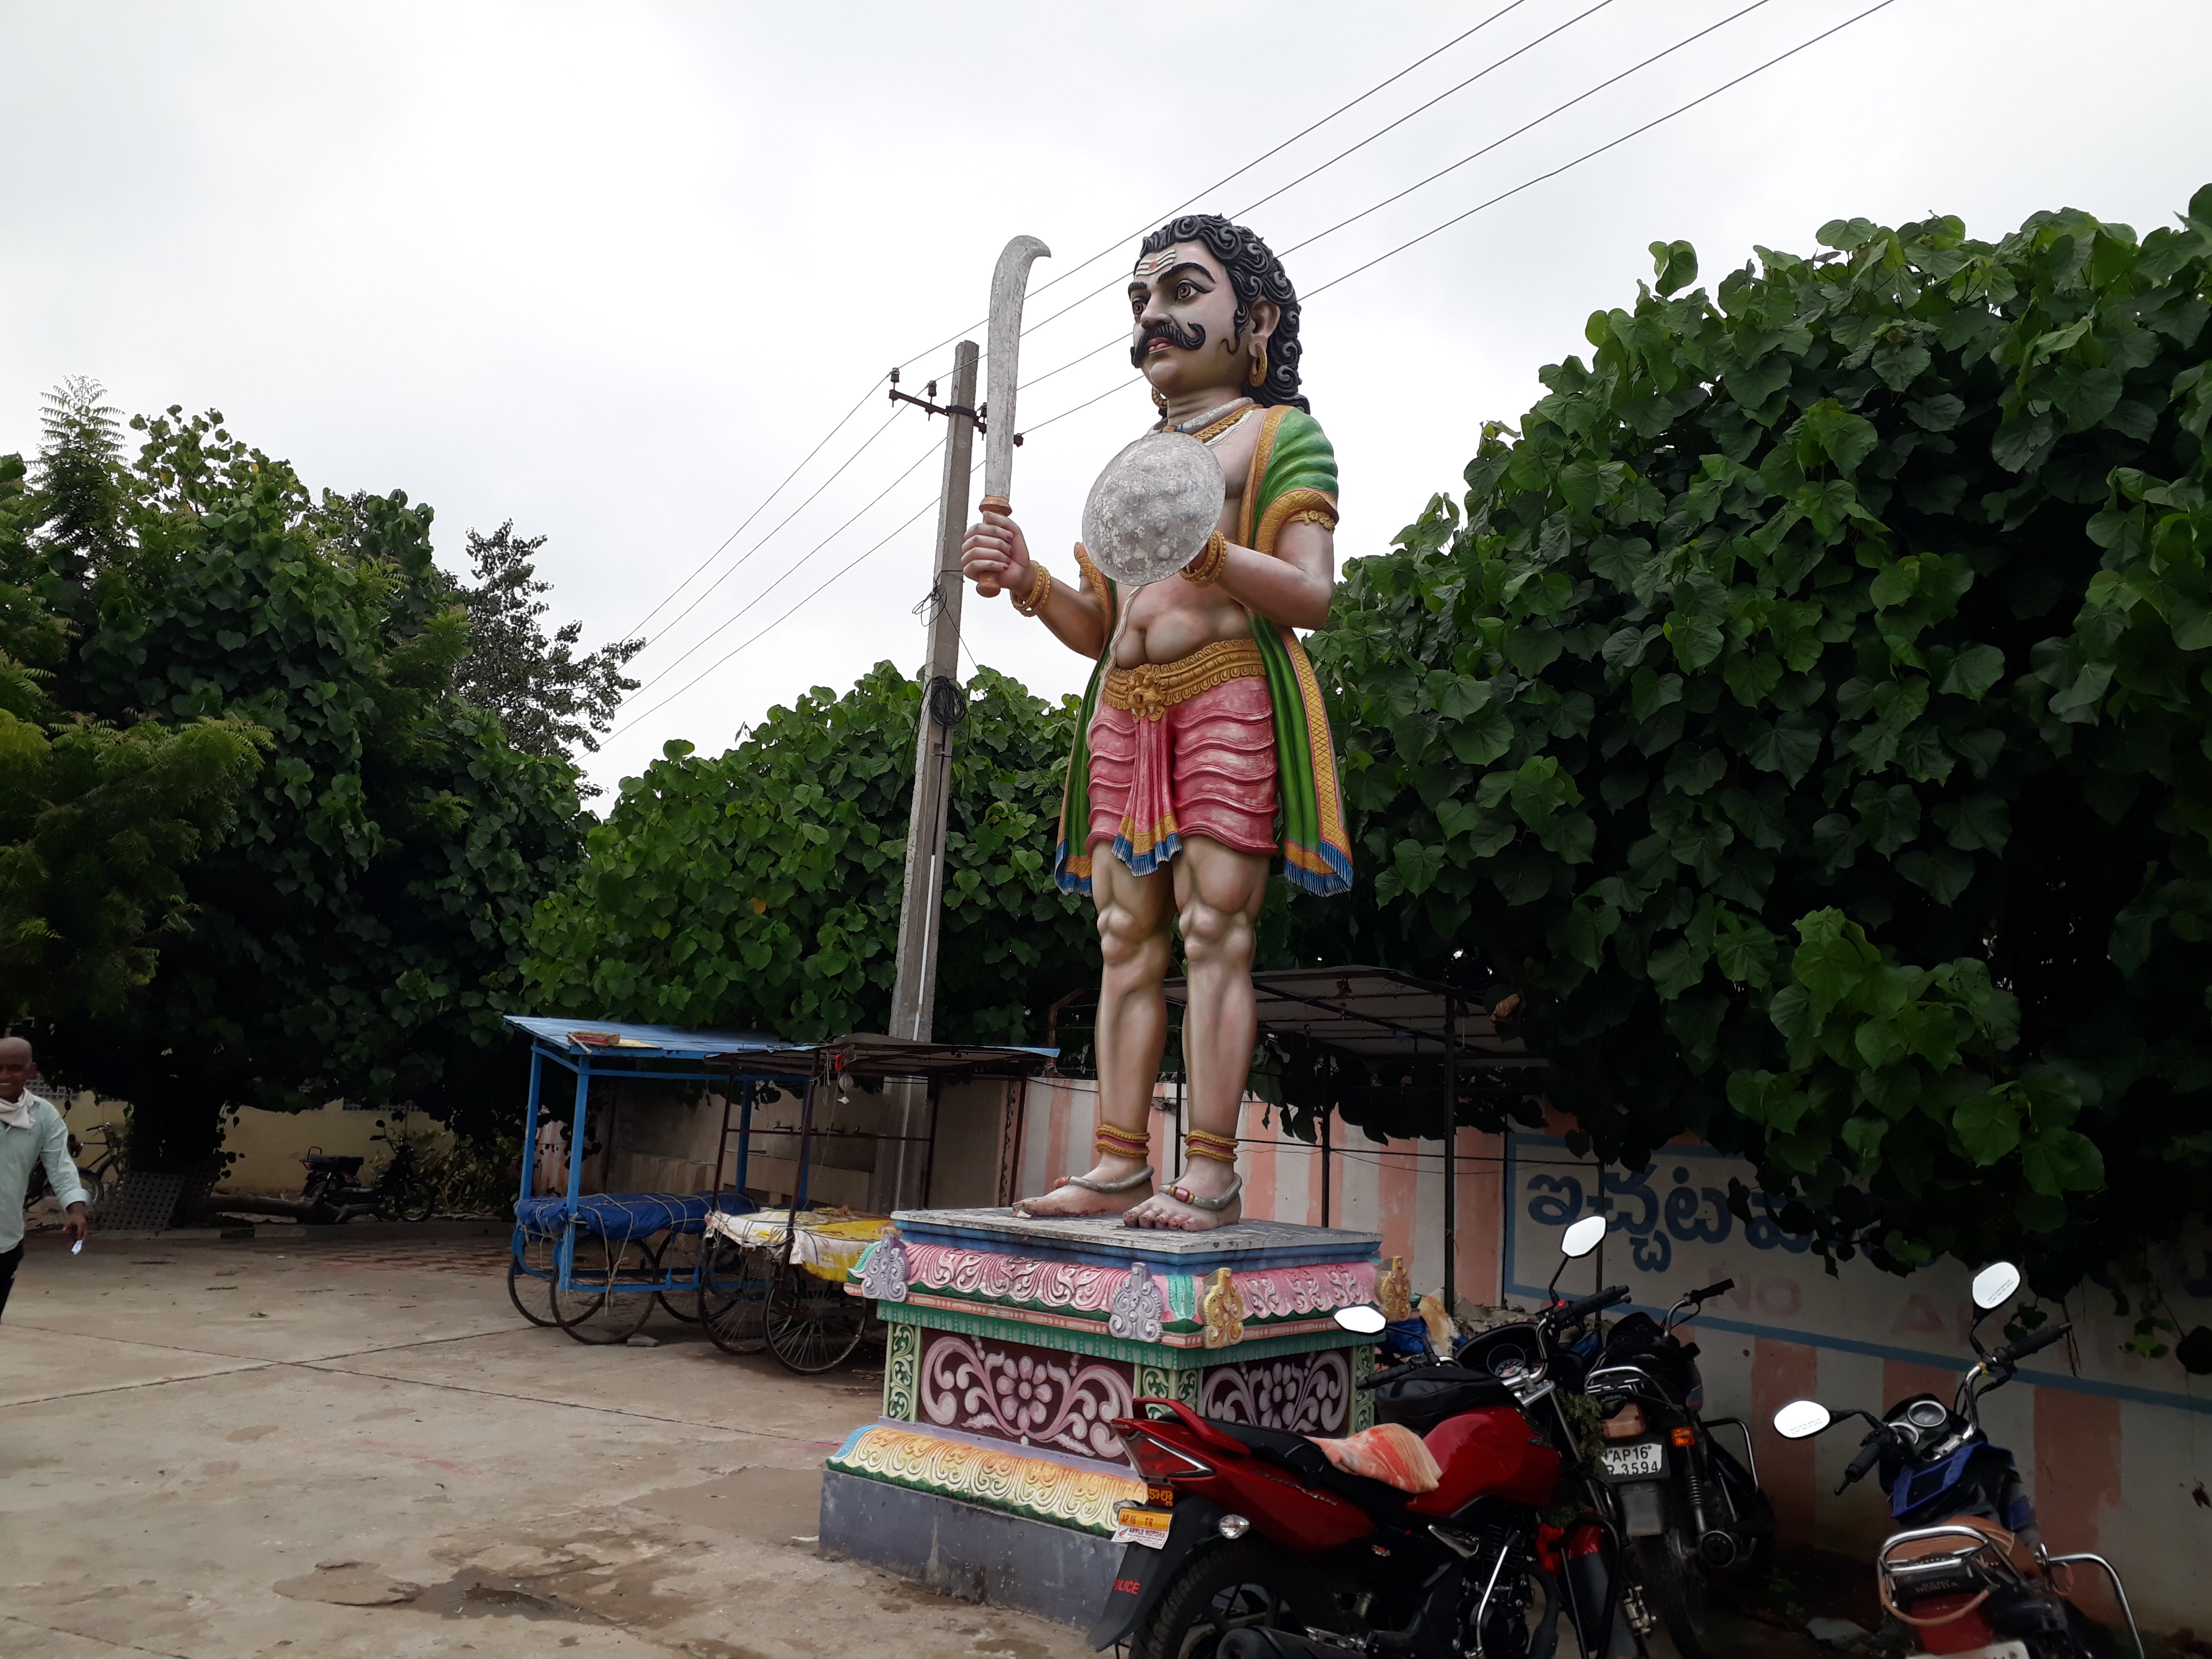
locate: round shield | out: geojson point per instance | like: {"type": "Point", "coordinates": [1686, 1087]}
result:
{"type": "Point", "coordinates": [1153, 507]}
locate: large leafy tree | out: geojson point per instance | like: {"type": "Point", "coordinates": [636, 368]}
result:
{"type": "Point", "coordinates": [1806, 719]}
{"type": "Point", "coordinates": [760, 888]}
{"type": "Point", "coordinates": [359, 930]}
{"type": "Point", "coordinates": [97, 820]}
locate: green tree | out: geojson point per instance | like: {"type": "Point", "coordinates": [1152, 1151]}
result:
{"type": "Point", "coordinates": [97, 821]}
{"type": "Point", "coordinates": [1808, 718]}
{"type": "Point", "coordinates": [359, 931]}
{"type": "Point", "coordinates": [760, 889]}
{"type": "Point", "coordinates": [549, 699]}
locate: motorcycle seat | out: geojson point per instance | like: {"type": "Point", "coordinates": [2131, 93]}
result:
{"type": "Point", "coordinates": [1300, 1455]}
{"type": "Point", "coordinates": [333, 1161]}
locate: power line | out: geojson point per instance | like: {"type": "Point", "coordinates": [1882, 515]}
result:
{"type": "Point", "coordinates": [792, 568]}
{"type": "Point", "coordinates": [1324, 166]}
{"type": "Point", "coordinates": [896, 530]}
{"type": "Point", "coordinates": [1541, 177]}
{"type": "Point", "coordinates": [757, 511]}
{"type": "Point", "coordinates": [1513, 5]}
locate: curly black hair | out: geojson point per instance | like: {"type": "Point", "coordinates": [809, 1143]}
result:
{"type": "Point", "coordinates": [1256, 274]}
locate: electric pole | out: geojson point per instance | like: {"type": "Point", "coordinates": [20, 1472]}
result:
{"type": "Point", "coordinates": [900, 1163]}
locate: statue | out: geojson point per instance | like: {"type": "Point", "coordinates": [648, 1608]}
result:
{"type": "Point", "coordinates": [1202, 757]}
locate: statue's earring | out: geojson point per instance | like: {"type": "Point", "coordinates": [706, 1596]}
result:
{"type": "Point", "coordinates": [1258, 376]}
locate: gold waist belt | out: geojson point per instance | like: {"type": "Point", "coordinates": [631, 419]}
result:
{"type": "Point", "coordinates": [1150, 689]}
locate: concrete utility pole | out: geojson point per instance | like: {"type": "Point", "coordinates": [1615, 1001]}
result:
{"type": "Point", "coordinates": [900, 1163]}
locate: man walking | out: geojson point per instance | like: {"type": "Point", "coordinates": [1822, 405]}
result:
{"type": "Point", "coordinates": [31, 1130]}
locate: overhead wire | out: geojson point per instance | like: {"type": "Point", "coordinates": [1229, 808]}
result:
{"type": "Point", "coordinates": [1550, 173]}
{"type": "Point", "coordinates": [1341, 109]}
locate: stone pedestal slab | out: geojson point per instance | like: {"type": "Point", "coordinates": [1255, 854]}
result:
{"type": "Point", "coordinates": [1013, 1343]}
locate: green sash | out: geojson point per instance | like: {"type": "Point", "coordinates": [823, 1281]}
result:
{"type": "Point", "coordinates": [1293, 470]}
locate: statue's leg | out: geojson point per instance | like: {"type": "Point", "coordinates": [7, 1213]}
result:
{"type": "Point", "coordinates": [1218, 893]}
{"type": "Point", "coordinates": [1135, 916]}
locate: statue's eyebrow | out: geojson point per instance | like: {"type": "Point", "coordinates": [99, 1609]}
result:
{"type": "Point", "coordinates": [1140, 286]}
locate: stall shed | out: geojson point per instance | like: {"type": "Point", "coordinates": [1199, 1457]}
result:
{"type": "Point", "coordinates": [2117, 1446]}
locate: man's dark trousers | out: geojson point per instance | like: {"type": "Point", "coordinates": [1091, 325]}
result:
{"type": "Point", "coordinates": [10, 1260]}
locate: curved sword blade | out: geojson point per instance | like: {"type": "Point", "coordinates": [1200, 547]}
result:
{"type": "Point", "coordinates": [1010, 284]}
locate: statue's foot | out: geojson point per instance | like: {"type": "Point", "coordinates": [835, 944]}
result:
{"type": "Point", "coordinates": [1104, 1190]}
{"type": "Point", "coordinates": [1198, 1203]}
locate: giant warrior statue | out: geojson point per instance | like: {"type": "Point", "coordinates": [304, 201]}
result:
{"type": "Point", "coordinates": [1202, 759]}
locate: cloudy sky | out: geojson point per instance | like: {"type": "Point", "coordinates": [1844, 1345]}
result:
{"type": "Point", "coordinates": [616, 272]}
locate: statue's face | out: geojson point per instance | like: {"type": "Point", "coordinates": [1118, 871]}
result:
{"type": "Point", "coordinates": [1183, 332]}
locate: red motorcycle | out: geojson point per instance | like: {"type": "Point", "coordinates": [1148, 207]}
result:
{"type": "Point", "coordinates": [1255, 1542]}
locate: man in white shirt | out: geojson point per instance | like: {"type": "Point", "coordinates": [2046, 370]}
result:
{"type": "Point", "coordinates": [31, 1131]}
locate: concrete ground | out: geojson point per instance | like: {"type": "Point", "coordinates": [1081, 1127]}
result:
{"type": "Point", "coordinates": [276, 1448]}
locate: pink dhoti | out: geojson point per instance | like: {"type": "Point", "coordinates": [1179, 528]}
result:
{"type": "Point", "coordinates": [1186, 748]}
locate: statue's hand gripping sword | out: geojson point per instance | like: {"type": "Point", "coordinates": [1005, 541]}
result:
{"type": "Point", "coordinates": [1009, 288]}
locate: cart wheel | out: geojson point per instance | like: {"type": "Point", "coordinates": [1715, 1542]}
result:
{"type": "Point", "coordinates": [812, 1325]}
{"type": "Point", "coordinates": [733, 1281]}
{"type": "Point", "coordinates": [530, 1277]}
{"type": "Point", "coordinates": [609, 1296]}
{"type": "Point", "coordinates": [678, 1260]}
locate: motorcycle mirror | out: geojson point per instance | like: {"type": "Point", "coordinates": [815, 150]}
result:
{"type": "Point", "coordinates": [1801, 1419]}
{"type": "Point", "coordinates": [1585, 1235]}
{"type": "Point", "coordinates": [1994, 1286]}
{"type": "Point", "coordinates": [1363, 1320]}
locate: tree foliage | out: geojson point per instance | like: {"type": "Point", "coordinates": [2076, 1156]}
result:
{"type": "Point", "coordinates": [760, 888]}
{"type": "Point", "coordinates": [549, 699]}
{"type": "Point", "coordinates": [359, 930]}
{"type": "Point", "coordinates": [1810, 719]}
{"type": "Point", "coordinates": [97, 820]}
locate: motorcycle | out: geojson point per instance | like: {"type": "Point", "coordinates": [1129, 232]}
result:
{"type": "Point", "coordinates": [1970, 1574]}
{"type": "Point", "coordinates": [1687, 1506]}
{"type": "Point", "coordinates": [335, 1192]}
{"type": "Point", "coordinates": [1254, 1543]}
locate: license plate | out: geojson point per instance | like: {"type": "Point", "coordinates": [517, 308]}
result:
{"type": "Point", "coordinates": [1137, 1524]}
{"type": "Point", "coordinates": [1995, 1650]}
{"type": "Point", "coordinates": [1645, 1458]}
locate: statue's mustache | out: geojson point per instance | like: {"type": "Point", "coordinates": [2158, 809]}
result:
{"type": "Point", "coordinates": [1188, 336]}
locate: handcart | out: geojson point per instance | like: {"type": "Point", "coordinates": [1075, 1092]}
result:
{"type": "Point", "coordinates": [597, 1264]}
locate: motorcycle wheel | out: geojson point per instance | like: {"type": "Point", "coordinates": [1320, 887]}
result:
{"type": "Point", "coordinates": [1674, 1583]}
{"type": "Point", "coordinates": [411, 1203]}
{"type": "Point", "coordinates": [1237, 1586]}
{"type": "Point", "coordinates": [529, 1278]}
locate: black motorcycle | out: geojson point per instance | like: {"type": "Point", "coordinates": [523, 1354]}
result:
{"type": "Point", "coordinates": [1686, 1505]}
{"type": "Point", "coordinates": [336, 1193]}
{"type": "Point", "coordinates": [1969, 1572]}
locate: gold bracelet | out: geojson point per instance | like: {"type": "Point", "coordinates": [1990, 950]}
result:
{"type": "Point", "coordinates": [1040, 591]}
{"type": "Point", "coordinates": [1205, 569]}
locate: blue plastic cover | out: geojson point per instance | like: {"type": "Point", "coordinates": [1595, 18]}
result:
{"type": "Point", "coordinates": [623, 1216]}
{"type": "Point", "coordinates": [1918, 1487]}
{"type": "Point", "coordinates": [621, 1039]}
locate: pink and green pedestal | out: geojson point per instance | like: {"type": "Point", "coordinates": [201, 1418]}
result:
{"type": "Point", "coordinates": [993, 1472]}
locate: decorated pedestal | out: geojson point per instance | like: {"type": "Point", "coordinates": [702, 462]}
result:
{"type": "Point", "coordinates": [993, 1472]}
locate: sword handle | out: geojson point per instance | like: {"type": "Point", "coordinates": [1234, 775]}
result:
{"type": "Point", "coordinates": [988, 586]}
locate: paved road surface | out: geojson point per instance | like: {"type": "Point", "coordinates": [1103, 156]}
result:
{"type": "Point", "coordinates": [273, 1449]}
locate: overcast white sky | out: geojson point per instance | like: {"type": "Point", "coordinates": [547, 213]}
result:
{"type": "Point", "coordinates": [613, 270]}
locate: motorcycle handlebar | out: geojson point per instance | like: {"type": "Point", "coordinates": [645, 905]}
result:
{"type": "Point", "coordinates": [1712, 1290]}
{"type": "Point", "coordinates": [2014, 1353]}
{"type": "Point", "coordinates": [1568, 1313]}
{"type": "Point", "coordinates": [1870, 1454]}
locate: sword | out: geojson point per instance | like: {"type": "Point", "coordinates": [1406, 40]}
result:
{"type": "Point", "coordinates": [1009, 287]}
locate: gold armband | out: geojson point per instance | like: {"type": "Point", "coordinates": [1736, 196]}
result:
{"type": "Point", "coordinates": [1320, 516]}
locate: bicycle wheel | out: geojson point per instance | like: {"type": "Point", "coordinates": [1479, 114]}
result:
{"type": "Point", "coordinates": [610, 1295]}
{"type": "Point", "coordinates": [530, 1277]}
{"type": "Point", "coordinates": [678, 1258]}
{"type": "Point", "coordinates": [812, 1325]}
{"type": "Point", "coordinates": [733, 1281]}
